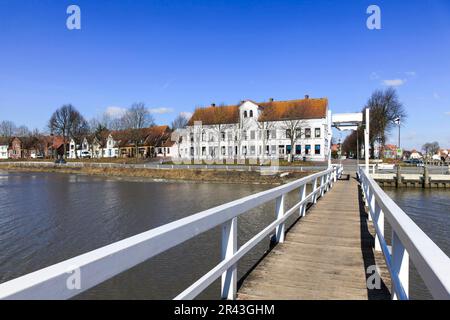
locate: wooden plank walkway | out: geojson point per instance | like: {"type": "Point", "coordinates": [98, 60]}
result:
{"type": "Point", "coordinates": [325, 255]}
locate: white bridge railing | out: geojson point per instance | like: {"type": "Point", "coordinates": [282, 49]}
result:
{"type": "Point", "coordinates": [408, 242]}
{"type": "Point", "coordinates": [104, 263]}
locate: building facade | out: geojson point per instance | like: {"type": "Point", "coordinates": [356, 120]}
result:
{"type": "Point", "coordinates": [295, 129]}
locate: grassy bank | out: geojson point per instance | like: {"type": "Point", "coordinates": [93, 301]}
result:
{"type": "Point", "coordinates": [222, 176]}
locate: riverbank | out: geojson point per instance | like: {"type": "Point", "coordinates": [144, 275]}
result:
{"type": "Point", "coordinates": [201, 175]}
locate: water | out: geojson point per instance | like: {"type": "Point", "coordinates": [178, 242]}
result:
{"type": "Point", "coordinates": [47, 218]}
{"type": "Point", "coordinates": [430, 210]}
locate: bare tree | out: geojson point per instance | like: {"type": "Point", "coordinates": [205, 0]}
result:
{"type": "Point", "coordinates": [67, 122]}
{"type": "Point", "coordinates": [264, 128]}
{"type": "Point", "coordinates": [7, 128]}
{"type": "Point", "coordinates": [180, 122]}
{"type": "Point", "coordinates": [22, 131]}
{"type": "Point", "coordinates": [385, 107]}
{"type": "Point", "coordinates": [135, 119]}
{"type": "Point", "coordinates": [294, 132]}
{"type": "Point", "coordinates": [430, 148]}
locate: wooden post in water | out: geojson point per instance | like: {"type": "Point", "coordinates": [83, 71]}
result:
{"type": "Point", "coordinates": [426, 177]}
{"type": "Point", "coordinates": [398, 178]}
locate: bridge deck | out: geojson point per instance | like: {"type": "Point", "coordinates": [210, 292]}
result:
{"type": "Point", "coordinates": [325, 255]}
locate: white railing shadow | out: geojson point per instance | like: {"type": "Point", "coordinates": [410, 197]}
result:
{"type": "Point", "coordinates": [104, 263]}
{"type": "Point", "coordinates": [408, 243]}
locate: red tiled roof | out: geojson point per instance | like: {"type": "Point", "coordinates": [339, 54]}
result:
{"type": "Point", "coordinates": [215, 115]}
{"type": "Point", "coordinates": [301, 109]}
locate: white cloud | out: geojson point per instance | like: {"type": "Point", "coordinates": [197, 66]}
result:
{"type": "Point", "coordinates": [411, 73]}
{"type": "Point", "coordinates": [186, 115]}
{"type": "Point", "coordinates": [436, 96]}
{"type": "Point", "coordinates": [161, 110]}
{"type": "Point", "coordinates": [394, 82]}
{"type": "Point", "coordinates": [115, 112]}
{"type": "Point", "coordinates": [447, 113]}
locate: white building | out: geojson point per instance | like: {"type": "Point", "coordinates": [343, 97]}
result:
{"type": "Point", "coordinates": [4, 145]}
{"type": "Point", "coordinates": [273, 129]}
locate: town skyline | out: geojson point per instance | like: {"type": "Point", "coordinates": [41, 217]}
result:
{"type": "Point", "coordinates": [175, 58]}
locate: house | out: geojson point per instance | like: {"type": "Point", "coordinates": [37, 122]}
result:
{"type": "Point", "coordinates": [415, 155]}
{"type": "Point", "coordinates": [15, 148]}
{"type": "Point", "coordinates": [251, 130]}
{"type": "Point", "coordinates": [4, 146]}
{"type": "Point", "coordinates": [390, 151]}
{"type": "Point", "coordinates": [149, 141]}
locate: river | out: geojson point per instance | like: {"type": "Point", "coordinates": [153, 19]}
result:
{"type": "Point", "coordinates": [46, 218]}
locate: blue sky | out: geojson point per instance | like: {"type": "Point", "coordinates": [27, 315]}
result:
{"type": "Point", "coordinates": [176, 55]}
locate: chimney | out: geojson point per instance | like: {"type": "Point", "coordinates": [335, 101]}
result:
{"type": "Point", "coordinates": [213, 104]}
{"type": "Point", "coordinates": [306, 96]}
{"type": "Point", "coordinates": [270, 99]}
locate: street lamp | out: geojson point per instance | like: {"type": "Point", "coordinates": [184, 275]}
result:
{"type": "Point", "coordinates": [398, 122]}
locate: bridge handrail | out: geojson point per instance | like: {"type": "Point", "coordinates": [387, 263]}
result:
{"type": "Point", "coordinates": [104, 263]}
{"type": "Point", "coordinates": [409, 242]}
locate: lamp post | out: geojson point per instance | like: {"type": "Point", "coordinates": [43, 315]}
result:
{"type": "Point", "coordinates": [398, 122]}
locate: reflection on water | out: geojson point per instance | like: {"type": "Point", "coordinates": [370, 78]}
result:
{"type": "Point", "coordinates": [430, 210]}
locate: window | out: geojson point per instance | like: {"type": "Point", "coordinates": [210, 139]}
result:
{"type": "Point", "coordinates": [308, 149]}
{"type": "Point", "coordinates": [317, 149]}
{"type": "Point", "coordinates": [281, 149]}
{"type": "Point", "coordinates": [223, 151]}
{"type": "Point", "coordinates": [203, 136]}
{"type": "Point", "coordinates": [288, 134]}
{"type": "Point", "coordinates": [298, 133]}
{"type": "Point", "coordinates": [230, 151]}
{"type": "Point", "coordinates": [298, 149]}
{"type": "Point", "coordinates": [317, 132]}
{"type": "Point", "coordinates": [273, 134]}
{"type": "Point", "coordinates": [230, 136]}
{"type": "Point", "coordinates": [223, 135]}
{"type": "Point", "coordinates": [245, 114]}
{"type": "Point", "coordinates": [192, 138]}
{"type": "Point", "coordinates": [245, 134]}
{"type": "Point", "coordinates": [244, 150]}
{"type": "Point", "coordinates": [252, 135]}
{"type": "Point", "coordinates": [251, 113]}
{"type": "Point", "coordinates": [203, 151]}
{"type": "Point", "coordinates": [252, 150]}
{"type": "Point", "coordinates": [308, 133]}
{"type": "Point", "coordinates": [273, 150]}
{"type": "Point", "coordinates": [288, 149]}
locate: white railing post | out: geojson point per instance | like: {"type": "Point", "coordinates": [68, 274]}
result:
{"type": "Point", "coordinates": [229, 248]}
{"type": "Point", "coordinates": [400, 264]}
{"type": "Point", "coordinates": [302, 197]}
{"type": "Point", "coordinates": [279, 213]}
{"type": "Point", "coordinates": [371, 202]}
{"type": "Point", "coordinates": [379, 221]}
{"type": "Point", "coordinates": [322, 186]}
{"type": "Point", "coordinates": [314, 190]}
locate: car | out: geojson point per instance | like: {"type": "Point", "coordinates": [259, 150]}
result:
{"type": "Point", "coordinates": [60, 161]}
{"type": "Point", "coordinates": [85, 155]}
{"type": "Point", "coordinates": [417, 162]}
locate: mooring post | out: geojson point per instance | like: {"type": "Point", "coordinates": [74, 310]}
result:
{"type": "Point", "coordinates": [426, 177]}
{"type": "Point", "coordinates": [398, 178]}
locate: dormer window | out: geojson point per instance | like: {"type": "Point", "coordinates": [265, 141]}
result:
{"type": "Point", "coordinates": [245, 114]}
{"type": "Point", "coordinates": [251, 113]}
